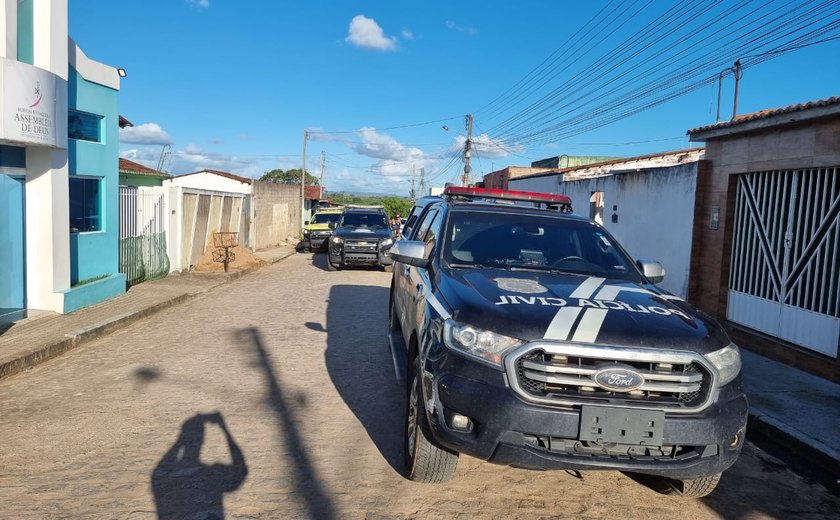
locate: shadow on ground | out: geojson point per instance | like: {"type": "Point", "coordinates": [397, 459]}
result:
{"type": "Point", "coordinates": [360, 366]}
{"type": "Point", "coordinates": [305, 479]}
{"type": "Point", "coordinates": [183, 486]}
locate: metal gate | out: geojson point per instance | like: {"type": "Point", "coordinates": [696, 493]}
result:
{"type": "Point", "coordinates": [785, 274]}
{"type": "Point", "coordinates": [142, 234]}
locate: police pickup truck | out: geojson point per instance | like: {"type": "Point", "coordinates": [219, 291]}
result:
{"type": "Point", "coordinates": [528, 337]}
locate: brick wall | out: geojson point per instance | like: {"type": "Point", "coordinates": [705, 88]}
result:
{"type": "Point", "coordinates": [809, 145]}
{"type": "Point", "coordinates": [276, 213]}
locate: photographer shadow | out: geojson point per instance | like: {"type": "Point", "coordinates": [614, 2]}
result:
{"type": "Point", "coordinates": [183, 486]}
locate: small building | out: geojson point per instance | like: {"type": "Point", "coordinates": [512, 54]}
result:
{"type": "Point", "coordinates": [767, 235]}
{"type": "Point", "coordinates": [499, 179]}
{"type": "Point", "coordinates": [633, 198]}
{"type": "Point", "coordinates": [214, 180]}
{"type": "Point", "coordinates": [58, 166]}
{"type": "Point", "coordinates": [136, 175]}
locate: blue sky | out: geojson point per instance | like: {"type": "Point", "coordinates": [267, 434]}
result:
{"type": "Point", "coordinates": [232, 85]}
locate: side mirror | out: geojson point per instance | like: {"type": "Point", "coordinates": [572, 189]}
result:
{"type": "Point", "coordinates": [305, 222]}
{"type": "Point", "coordinates": [410, 252]}
{"type": "Point", "coordinates": [653, 271]}
{"type": "Point", "coordinates": [332, 225]}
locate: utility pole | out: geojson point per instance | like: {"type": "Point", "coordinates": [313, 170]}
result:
{"type": "Point", "coordinates": [422, 182]}
{"type": "Point", "coordinates": [321, 191]}
{"type": "Point", "coordinates": [303, 180]}
{"type": "Point", "coordinates": [413, 171]}
{"type": "Point", "coordinates": [738, 75]}
{"type": "Point", "coordinates": [465, 179]}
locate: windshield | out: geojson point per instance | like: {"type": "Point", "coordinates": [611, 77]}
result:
{"type": "Point", "coordinates": [538, 242]}
{"type": "Point", "coordinates": [325, 218]}
{"type": "Point", "coordinates": [365, 220]}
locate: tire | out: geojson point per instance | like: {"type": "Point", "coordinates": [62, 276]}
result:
{"type": "Point", "coordinates": [425, 460]}
{"type": "Point", "coordinates": [388, 268]}
{"type": "Point", "coordinates": [694, 487]}
{"type": "Point", "coordinates": [333, 267]}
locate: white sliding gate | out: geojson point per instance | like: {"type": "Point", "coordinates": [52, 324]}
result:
{"type": "Point", "coordinates": [785, 275]}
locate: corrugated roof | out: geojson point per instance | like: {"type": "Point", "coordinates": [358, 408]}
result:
{"type": "Point", "coordinates": [765, 114]}
{"type": "Point", "coordinates": [608, 163]}
{"type": "Point", "coordinates": [132, 167]}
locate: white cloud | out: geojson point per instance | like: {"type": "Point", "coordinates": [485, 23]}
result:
{"type": "Point", "coordinates": [364, 32]}
{"type": "Point", "coordinates": [385, 147]}
{"type": "Point", "coordinates": [551, 146]}
{"type": "Point", "coordinates": [407, 35]}
{"type": "Point", "coordinates": [147, 133]}
{"type": "Point", "coordinates": [200, 3]}
{"type": "Point", "coordinates": [470, 31]}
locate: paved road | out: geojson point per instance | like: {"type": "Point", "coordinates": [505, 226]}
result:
{"type": "Point", "coordinates": [273, 397]}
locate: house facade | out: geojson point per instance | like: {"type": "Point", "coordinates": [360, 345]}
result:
{"type": "Point", "coordinates": [767, 233]}
{"type": "Point", "coordinates": [58, 166]}
{"type": "Point", "coordinates": [136, 175]}
{"type": "Point", "coordinates": [632, 198]}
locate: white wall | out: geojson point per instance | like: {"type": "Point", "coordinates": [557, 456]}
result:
{"type": "Point", "coordinates": [209, 181]}
{"type": "Point", "coordinates": [655, 209]}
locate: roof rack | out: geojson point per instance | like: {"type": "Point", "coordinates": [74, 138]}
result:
{"type": "Point", "coordinates": [365, 206]}
{"type": "Point", "coordinates": [551, 201]}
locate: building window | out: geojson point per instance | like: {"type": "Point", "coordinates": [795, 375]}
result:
{"type": "Point", "coordinates": [12, 156]}
{"type": "Point", "coordinates": [84, 126]}
{"type": "Point", "coordinates": [85, 204]}
{"type": "Point", "coordinates": [25, 39]}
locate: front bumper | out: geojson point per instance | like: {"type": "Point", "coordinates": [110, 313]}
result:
{"type": "Point", "coordinates": [316, 241]}
{"type": "Point", "coordinates": [507, 430]}
{"type": "Point", "coordinates": [373, 256]}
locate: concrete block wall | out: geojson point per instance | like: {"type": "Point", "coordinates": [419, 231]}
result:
{"type": "Point", "coordinates": [277, 210]}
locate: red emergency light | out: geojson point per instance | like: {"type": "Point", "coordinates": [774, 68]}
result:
{"type": "Point", "coordinates": [525, 196]}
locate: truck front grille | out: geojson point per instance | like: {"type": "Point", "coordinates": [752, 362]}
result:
{"type": "Point", "coordinates": [565, 375]}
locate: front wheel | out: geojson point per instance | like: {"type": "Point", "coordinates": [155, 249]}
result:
{"type": "Point", "coordinates": [694, 487]}
{"type": "Point", "coordinates": [425, 460]}
{"type": "Point", "coordinates": [333, 267]}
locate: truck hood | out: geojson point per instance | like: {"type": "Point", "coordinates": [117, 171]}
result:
{"type": "Point", "coordinates": [577, 308]}
{"type": "Point", "coordinates": [354, 232]}
{"type": "Point", "coordinates": [317, 227]}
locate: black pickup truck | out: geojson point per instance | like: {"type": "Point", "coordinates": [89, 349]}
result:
{"type": "Point", "coordinates": [528, 337]}
{"type": "Point", "coordinates": [362, 236]}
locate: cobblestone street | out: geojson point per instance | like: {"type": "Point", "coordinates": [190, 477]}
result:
{"type": "Point", "coordinates": [274, 397]}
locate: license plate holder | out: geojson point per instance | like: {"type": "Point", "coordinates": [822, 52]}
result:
{"type": "Point", "coordinates": [621, 425]}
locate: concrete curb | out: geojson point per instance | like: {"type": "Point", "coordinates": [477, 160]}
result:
{"type": "Point", "coordinates": [105, 327]}
{"type": "Point", "coordinates": [810, 449]}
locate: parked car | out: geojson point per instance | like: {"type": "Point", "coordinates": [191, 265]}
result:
{"type": "Point", "coordinates": [317, 231]}
{"type": "Point", "coordinates": [362, 236]}
{"type": "Point", "coordinates": [528, 337]}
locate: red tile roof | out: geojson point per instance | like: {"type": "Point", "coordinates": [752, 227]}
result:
{"type": "Point", "coordinates": [243, 180]}
{"type": "Point", "coordinates": [132, 167]}
{"type": "Point", "coordinates": [765, 114]}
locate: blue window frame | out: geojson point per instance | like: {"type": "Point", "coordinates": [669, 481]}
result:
{"type": "Point", "coordinates": [85, 204]}
{"type": "Point", "coordinates": [84, 126]}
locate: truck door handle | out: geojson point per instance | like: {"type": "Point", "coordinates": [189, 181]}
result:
{"type": "Point", "coordinates": [407, 270]}
{"type": "Point", "coordinates": [419, 293]}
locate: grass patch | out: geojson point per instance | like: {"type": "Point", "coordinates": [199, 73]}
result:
{"type": "Point", "coordinates": [90, 280]}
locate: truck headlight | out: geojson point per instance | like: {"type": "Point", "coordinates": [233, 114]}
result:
{"type": "Point", "coordinates": [305, 232]}
{"type": "Point", "coordinates": [483, 345]}
{"type": "Point", "coordinates": [727, 361]}
{"type": "Point", "coordinates": [336, 241]}
{"type": "Point", "coordinates": [388, 242]}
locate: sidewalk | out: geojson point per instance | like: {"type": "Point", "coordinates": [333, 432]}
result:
{"type": "Point", "coordinates": [796, 409]}
{"type": "Point", "coordinates": [45, 335]}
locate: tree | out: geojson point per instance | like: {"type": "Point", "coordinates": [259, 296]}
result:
{"type": "Point", "coordinates": [288, 177]}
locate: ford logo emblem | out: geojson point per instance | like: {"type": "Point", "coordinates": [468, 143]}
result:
{"type": "Point", "coordinates": [619, 379]}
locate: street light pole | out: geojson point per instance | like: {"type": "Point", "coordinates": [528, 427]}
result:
{"type": "Point", "coordinates": [303, 179]}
